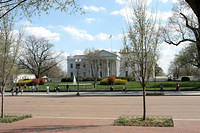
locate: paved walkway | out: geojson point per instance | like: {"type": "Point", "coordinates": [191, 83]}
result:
{"type": "Point", "coordinates": [118, 93]}
{"type": "Point", "coordinates": [63, 125]}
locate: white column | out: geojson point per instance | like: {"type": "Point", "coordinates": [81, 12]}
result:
{"type": "Point", "coordinates": [107, 67]}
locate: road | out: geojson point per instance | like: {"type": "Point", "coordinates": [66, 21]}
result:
{"type": "Point", "coordinates": [97, 114]}
{"type": "Point", "coordinates": [178, 107]}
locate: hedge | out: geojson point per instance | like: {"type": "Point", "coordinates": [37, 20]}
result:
{"type": "Point", "coordinates": [105, 81]}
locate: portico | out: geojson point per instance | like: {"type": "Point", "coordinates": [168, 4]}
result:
{"type": "Point", "coordinates": [108, 64]}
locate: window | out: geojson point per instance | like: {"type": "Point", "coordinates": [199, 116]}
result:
{"type": "Point", "coordinates": [78, 66]}
{"type": "Point", "coordinates": [126, 73]}
{"type": "Point", "coordinates": [71, 74]}
{"type": "Point", "coordinates": [71, 66]}
{"type": "Point", "coordinates": [83, 65]}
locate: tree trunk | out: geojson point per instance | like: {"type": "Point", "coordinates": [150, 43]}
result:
{"type": "Point", "coordinates": [144, 103]}
{"type": "Point", "coordinates": [2, 102]}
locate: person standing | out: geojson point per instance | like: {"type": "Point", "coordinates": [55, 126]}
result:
{"type": "Point", "coordinates": [47, 89]}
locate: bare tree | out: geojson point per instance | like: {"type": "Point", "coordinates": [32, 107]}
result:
{"type": "Point", "coordinates": [184, 26]}
{"type": "Point", "coordinates": [93, 59]}
{"type": "Point", "coordinates": [37, 56]}
{"type": "Point", "coordinates": [29, 7]}
{"type": "Point", "coordinates": [9, 46]}
{"type": "Point", "coordinates": [142, 41]}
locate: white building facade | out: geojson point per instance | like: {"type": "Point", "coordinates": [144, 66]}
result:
{"type": "Point", "coordinates": [110, 64]}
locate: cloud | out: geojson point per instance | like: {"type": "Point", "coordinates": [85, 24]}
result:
{"type": "Point", "coordinates": [121, 2]}
{"type": "Point", "coordinates": [78, 34]}
{"type": "Point", "coordinates": [127, 13]}
{"type": "Point", "coordinates": [102, 36]}
{"type": "Point", "coordinates": [164, 1]}
{"type": "Point", "coordinates": [175, 1]}
{"type": "Point", "coordinates": [42, 32]}
{"type": "Point", "coordinates": [94, 8]}
{"type": "Point", "coordinates": [77, 52]}
{"type": "Point", "coordinates": [167, 54]}
{"type": "Point", "coordinates": [81, 34]}
{"type": "Point", "coordinates": [90, 20]}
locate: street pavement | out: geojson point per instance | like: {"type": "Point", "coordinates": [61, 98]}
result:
{"type": "Point", "coordinates": [68, 113]}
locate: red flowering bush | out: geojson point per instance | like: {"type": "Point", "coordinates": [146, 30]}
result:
{"type": "Point", "coordinates": [35, 81]}
{"type": "Point", "coordinates": [111, 80]}
{"type": "Point", "coordinates": [42, 81]}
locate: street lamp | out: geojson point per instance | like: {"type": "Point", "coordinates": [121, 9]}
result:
{"type": "Point", "coordinates": [77, 68]}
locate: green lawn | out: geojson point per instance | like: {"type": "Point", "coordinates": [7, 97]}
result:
{"type": "Point", "coordinates": [133, 85]}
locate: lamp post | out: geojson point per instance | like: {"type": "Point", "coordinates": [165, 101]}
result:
{"type": "Point", "coordinates": [77, 68]}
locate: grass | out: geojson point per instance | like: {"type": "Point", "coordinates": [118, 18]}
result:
{"type": "Point", "coordinates": [13, 118]}
{"type": "Point", "coordinates": [131, 86]}
{"type": "Point", "coordinates": [149, 122]}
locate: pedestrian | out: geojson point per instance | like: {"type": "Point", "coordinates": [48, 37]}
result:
{"type": "Point", "coordinates": [111, 87]}
{"type": "Point", "coordinates": [177, 86]}
{"type": "Point", "coordinates": [12, 91]}
{"type": "Point", "coordinates": [124, 88]}
{"type": "Point", "coordinates": [55, 89]}
{"type": "Point", "coordinates": [47, 89]}
{"type": "Point", "coordinates": [37, 88]}
{"type": "Point", "coordinates": [17, 90]}
{"type": "Point", "coordinates": [58, 88]}
{"type": "Point", "coordinates": [33, 88]}
{"type": "Point", "coordinates": [20, 89]}
{"type": "Point", "coordinates": [161, 87]}
{"type": "Point", "coordinates": [67, 88]}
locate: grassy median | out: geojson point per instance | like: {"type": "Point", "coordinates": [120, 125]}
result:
{"type": "Point", "coordinates": [13, 118]}
{"type": "Point", "coordinates": [149, 122]}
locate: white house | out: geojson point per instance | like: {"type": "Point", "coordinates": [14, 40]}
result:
{"type": "Point", "coordinates": [110, 64]}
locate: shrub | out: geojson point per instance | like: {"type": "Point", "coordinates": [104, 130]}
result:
{"type": "Point", "coordinates": [111, 79]}
{"type": "Point", "coordinates": [105, 81]}
{"type": "Point", "coordinates": [42, 81]}
{"type": "Point", "coordinates": [185, 79]}
{"type": "Point", "coordinates": [35, 81]}
{"type": "Point", "coordinates": [23, 82]}
{"type": "Point", "coordinates": [120, 82]}
{"type": "Point", "coordinates": [127, 78]}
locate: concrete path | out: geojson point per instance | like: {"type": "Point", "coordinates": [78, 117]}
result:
{"type": "Point", "coordinates": [63, 125]}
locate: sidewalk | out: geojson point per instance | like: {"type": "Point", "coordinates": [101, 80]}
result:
{"type": "Point", "coordinates": [66, 125]}
{"type": "Point", "coordinates": [129, 93]}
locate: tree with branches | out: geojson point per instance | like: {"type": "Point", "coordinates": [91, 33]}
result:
{"type": "Point", "coordinates": [30, 7]}
{"type": "Point", "coordinates": [141, 42]}
{"type": "Point", "coordinates": [184, 25]}
{"type": "Point", "coordinates": [9, 47]}
{"type": "Point", "coordinates": [37, 56]}
{"type": "Point", "coordinates": [93, 59]}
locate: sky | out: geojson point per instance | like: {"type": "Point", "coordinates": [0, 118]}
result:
{"type": "Point", "coordinates": [73, 33]}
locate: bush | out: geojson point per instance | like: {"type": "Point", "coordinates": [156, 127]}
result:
{"type": "Point", "coordinates": [111, 80]}
{"type": "Point", "coordinates": [185, 79]}
{"type": "Point", "coordinates": [23, 82]}
{"type": "Point", "coordinates": [35, 81]}
{"type": "Point", "coordinates": [42, 81]}
{"type": "Point", "coordinates": [120, 82]}
{"type": "Point", "coordinates": [105, 81]}
{"type": "Point", "coordinates": [67, 79]}
{"type": "Point", "coordinates": [127, 78]}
